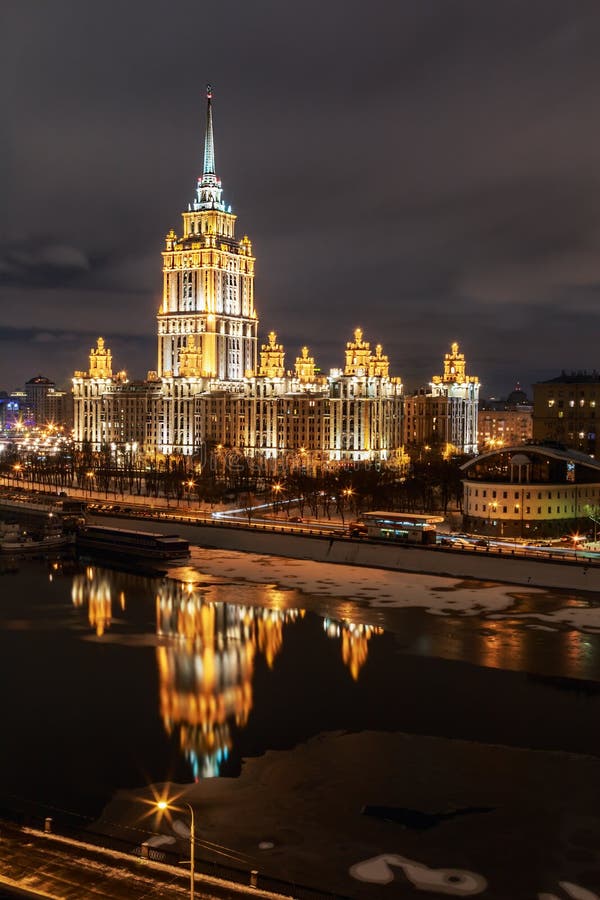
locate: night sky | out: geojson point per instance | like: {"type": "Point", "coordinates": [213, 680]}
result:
{"type": "Point", "coordinates": [426, 170]}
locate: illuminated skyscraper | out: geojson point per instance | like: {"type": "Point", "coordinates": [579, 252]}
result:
{"type": "Point", "coordinates": [207, 322]}
{"type": "Point", "coordinates": [208, 387]}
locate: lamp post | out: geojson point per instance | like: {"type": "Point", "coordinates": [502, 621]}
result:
{"type": "Point", "coordinates": [277, 493]}
{"type": "Point", "coordinates": [493, 506]}
{"type": "Point", "coordinates": [191, 484]}
{"type": "Point", "coordinates": [349, 493]}
{"type": "Point", "coordinates": [163, 805]}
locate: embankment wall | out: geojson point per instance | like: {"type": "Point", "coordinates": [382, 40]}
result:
{"type": "Point", "coordinates": [478, 564]}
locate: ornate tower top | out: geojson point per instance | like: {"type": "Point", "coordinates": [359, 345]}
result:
{"type": "Point", "coordinates": [272, 358]}
{"type": "Point", "coordinates": [100, 361]}
{"type": "Point", "coordinates": [454, 368]}
{"type": "Point", "coordinates": [305, 366]}
{"type": "Point", "coordinates": [208, 190]}
{"type": "Point", "coordinates": [358, 355]}
{"type": "Point", "coordinates": [380, 364]}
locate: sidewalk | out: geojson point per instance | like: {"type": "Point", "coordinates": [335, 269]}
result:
{"type": "Point", "coordinates": [36, 864]}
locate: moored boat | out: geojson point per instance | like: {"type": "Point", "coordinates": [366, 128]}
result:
{"type": "Point", "coordinates": [145, 545]}
{"type": "Point", "coordinates": [28, 544]}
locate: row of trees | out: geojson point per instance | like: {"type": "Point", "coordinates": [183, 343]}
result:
{"type": "Point", "coordinates": [222, 474]}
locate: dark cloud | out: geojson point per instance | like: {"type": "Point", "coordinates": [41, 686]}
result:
{"type": "Point", "coordinates": [57, 354]}
{"type": "Point", "coordinates": [40, 263]}
{"type": "Point", "coordinates": [428, 170]}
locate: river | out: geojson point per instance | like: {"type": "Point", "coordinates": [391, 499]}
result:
{"type": "Point", "coordinates": [114, 680]}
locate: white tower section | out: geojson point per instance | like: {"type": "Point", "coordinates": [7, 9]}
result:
{"type": "Point", "coordinates": [208, 287]}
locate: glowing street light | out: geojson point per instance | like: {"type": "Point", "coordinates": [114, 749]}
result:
{"type": "Point", "coordinates": [189, 484]}
{"type": "Point", "coordinates": [163, 805]}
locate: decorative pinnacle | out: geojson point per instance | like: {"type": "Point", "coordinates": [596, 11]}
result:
{"type": "Point", "coordinates": [209, 144]}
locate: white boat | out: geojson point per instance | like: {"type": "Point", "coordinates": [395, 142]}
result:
{"type": "Point", "coordinates": [26, 544]}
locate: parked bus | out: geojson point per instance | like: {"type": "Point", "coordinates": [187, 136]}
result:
{"type": "Point", "coordinates": [402, 528]}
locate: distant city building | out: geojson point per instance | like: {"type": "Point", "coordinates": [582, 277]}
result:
{"type": "Point", "coordinates": [564, 410]}
{"type": "Point", "coordinates": [505, 423]}
{"type": "Point", "coordinates": [12, 408]}
{"type": "Point", "coordinates": [529, 491]}
{"type": "Point", "coordinates": [446, 414]}
{"type": "Point", "coordinates": [46, 404]}
{"type": "Point", "coordinates": [209, 389]}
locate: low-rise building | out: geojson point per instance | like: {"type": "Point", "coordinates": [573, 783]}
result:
{"type": "Point", "coordinates": [530, 491]}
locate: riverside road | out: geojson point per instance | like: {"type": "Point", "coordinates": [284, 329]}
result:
{"type": "Point", "coordinates": [37, 865]}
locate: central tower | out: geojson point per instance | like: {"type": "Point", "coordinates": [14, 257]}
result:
{"type": "Point", "coordinates": [207, 310]}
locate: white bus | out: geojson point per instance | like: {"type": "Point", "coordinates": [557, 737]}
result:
{"type": "Point", "coordinates": [403, 528]}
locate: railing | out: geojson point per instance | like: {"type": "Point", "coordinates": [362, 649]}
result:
{"type": "Point", "coordinates": [29, 814]}
{"type": "Point", "coordinates": [566, 557]}
{"type": "Point", "coordinates": [569, 557]}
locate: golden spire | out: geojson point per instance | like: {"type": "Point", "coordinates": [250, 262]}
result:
{"type": "Point", "coordinates": [100, 361]}
{"type": "Point", "coordinates": [305, 366]}
{"type": "Point", "coordinates": [380, 364]}
{"type": "Point", "coordinates": [272, 358]}
{"type": "Point", "coordinates": [358, 355]}
{"type": "Point", "coordinates": [454, 368]}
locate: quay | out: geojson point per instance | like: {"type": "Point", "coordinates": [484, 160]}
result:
{"type": "Point", "coordinates": [477, 563]}
{"type": "Point", "coordinates": [508, 565]}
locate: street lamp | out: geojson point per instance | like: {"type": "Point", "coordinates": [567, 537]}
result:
{"type": "Point", "coordinates": [492, 506]}
{"type": "Point", "coordinates": [162, 805]}
{"type": "Point", "coordinates": [277, 492]}
{"type": "Point", "coordinates": [190, 484]}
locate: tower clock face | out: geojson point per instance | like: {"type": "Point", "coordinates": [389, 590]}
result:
{"type": "Point", "coordinates": [360, 371]}
{"type": "Point", "coordinates": [452, 370]}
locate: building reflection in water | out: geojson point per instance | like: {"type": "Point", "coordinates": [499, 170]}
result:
{"type": "Point", "coordinates": [355, 641]}
{"type": "Point", "coordinates": [94, 588]}
{"type": "Point", "coordinates": [206, 667]}
{"type": "Point", "coordinates": [206, 654]}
